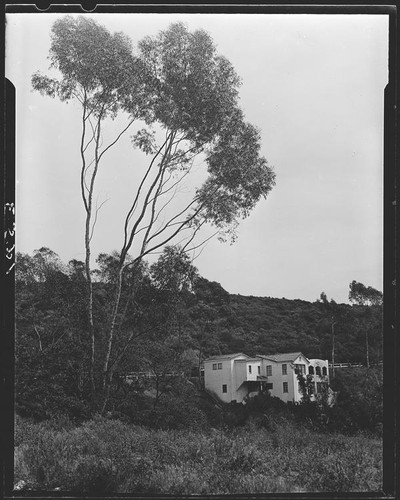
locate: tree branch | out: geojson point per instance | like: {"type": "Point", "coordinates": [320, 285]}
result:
{"type": "Point", "coordinates": [130, 212]}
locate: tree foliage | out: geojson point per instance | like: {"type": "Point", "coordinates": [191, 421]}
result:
{"type": "Point", "coordinates": [364, 296]}
{"type": "Point", "coordinates": [97, 68]}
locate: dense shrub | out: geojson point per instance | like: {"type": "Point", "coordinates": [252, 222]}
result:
{"type": "Point", "coordinates": [359, 404]}
{"type": "Point", "coordinates": [174, 413]}
{"type": "Point", "coordinates": [109, 456]}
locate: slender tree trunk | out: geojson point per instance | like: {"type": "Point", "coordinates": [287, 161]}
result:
{"type": "Point", "coordinates": [88, 236]}
{"type": "Point", "coordinates": [87, 200]}
{"type": "Point", "coordinates": [157, 391]}
{"type": "Point", "coordinates": [200, 381]}
{"type": "Point", "coordinates": [117, 301]}
{"type": "Point", "coordinates": [333, 347]}
{"type": "Point", "coordinates": [90, 283]}
{"type": "Point", "coordinates": [91, 325]}
{"type": "Point", "coordinates": [90, 299]}
{"type": "Point", "coordinates": [106, 391]}
{"type": "Point", "coordinates": [367, 346]}
{"type": "Point", "coordinates": [106, 380]}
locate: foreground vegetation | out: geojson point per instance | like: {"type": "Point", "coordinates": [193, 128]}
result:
{"type": "Point", "coordinates": [110, 456]}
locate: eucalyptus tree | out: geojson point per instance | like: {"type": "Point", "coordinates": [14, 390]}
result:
{"type": "Point", "coordinates": [196, 118]}
{"type": "Point", "coordinates": [98, 70]}
{"type": "Point", "coordinates": [364, 296]}
{"type": "Point", "coordinates": [187, 96]}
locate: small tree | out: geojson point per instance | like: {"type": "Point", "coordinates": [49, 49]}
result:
{"type": "Point", "coordinates": [361, 295]}
{"type": "Point", "coordinates": [331, 309]}
{"type": "Point", "coordinates": [306, 386]}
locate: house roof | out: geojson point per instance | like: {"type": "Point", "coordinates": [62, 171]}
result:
{"type": "Point", "coordinates": [226, 356]}
{"type": "Point", "coordinates": [248, 360]}
{"type": "Point", "coordinates": [278, 358]}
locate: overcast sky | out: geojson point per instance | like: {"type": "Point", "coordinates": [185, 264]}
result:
{"type": "Point", "coordinates": [313, 85]}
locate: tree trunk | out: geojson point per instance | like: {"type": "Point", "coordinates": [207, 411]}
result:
{"type": "Point", "coordinates": [117, 301]}
{"type": "Point", "coordinates": [90, 319]}
{"type": "Point", "coordinates": [333, 347]}
{"type": "Point", "coordinates": [367, 346]}
{"type": "Point", "coordinates": [200, 381]}
{"type": "Point", "coordinates": [88, 202]}
{"type": "Point", "coordinates": [157, 390]}
{"type": "Point", "coordinates": [106, 391]}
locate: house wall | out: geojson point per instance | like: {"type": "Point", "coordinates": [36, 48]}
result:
{"type": "Point", "coordinates": [239, 372]}
{"type": "Point", "coordinates": [242, 374]}
{"type": "Point", "coordinates": [278, 378]}
{"type": "Point", "coordinates": [254, 369]}
{"type": "Point", "coordinates": [301, 360]}
{"type": "Point", "coordinates": [215, 379]}
{"type": "Point", "coordinates": [241, 393]}
{"type": "Point", "coordinates": [321, 363]}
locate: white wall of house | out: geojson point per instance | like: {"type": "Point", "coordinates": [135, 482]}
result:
{"type": "Point", "coordinates": [219, 377]}
{"type": "Point", "coordinates": [245, 370]}
{"type": "Point", "coordinates": [300, 362]}
{"type": "Point", "coordinates": [283, 379]}
{"type": "Point", "coordinates": [320, 372]}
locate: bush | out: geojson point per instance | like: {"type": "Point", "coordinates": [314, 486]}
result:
{"type": "Point", "coordinates": [109, 456]}
{"type": "Point", "coordinates": [359, 403]}
{"type": "Point", "coordinates": [92, 474]}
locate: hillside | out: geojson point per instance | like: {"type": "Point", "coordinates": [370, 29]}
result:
{"type": "Point", "coordinates": [230, 323]}
{"type": "Point", "coordinates": [172, 320]}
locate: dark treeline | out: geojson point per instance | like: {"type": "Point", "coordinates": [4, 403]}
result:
{"type": "Point", "coordinates": [172, 320]}
{"type": "Point", "coordinates": [272, 325]}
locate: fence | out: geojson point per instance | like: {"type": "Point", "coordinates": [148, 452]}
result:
{"type": "Point", "coordinates": [349, 365]}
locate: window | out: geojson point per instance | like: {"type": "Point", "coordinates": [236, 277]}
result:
{"type": "Point", "coordinates": [269, 370]}
{"type": "Point", "coordinates": [214, 366]}
{"type": "Point", "coordinates": [259, 370]}
{"type": "Point", "coordinates": [249, 368]}
{"type": "Point", "coordinates": [224, 388]}
{"type": "Point", "coordinates": [324, 371]}
{"type": "Point", "coordinates": [300, 369]}
{"type": "Point", "coordinates": [219, 366]}
{"type": "Point", "coordinates": [318, 371]}
{"type": "Point", "coordinates": [285, 385]}
{"type": "Point", "coordinates": [284, 370]}
{"type": "Point", "coordinates": [311, 370]}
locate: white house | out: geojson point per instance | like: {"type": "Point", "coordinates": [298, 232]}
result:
{"type": "Point", "coordinates": [234, 377]}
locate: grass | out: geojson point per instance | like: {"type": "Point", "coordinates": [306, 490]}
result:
{"type": "Point", "coordinates": [108, 456]}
